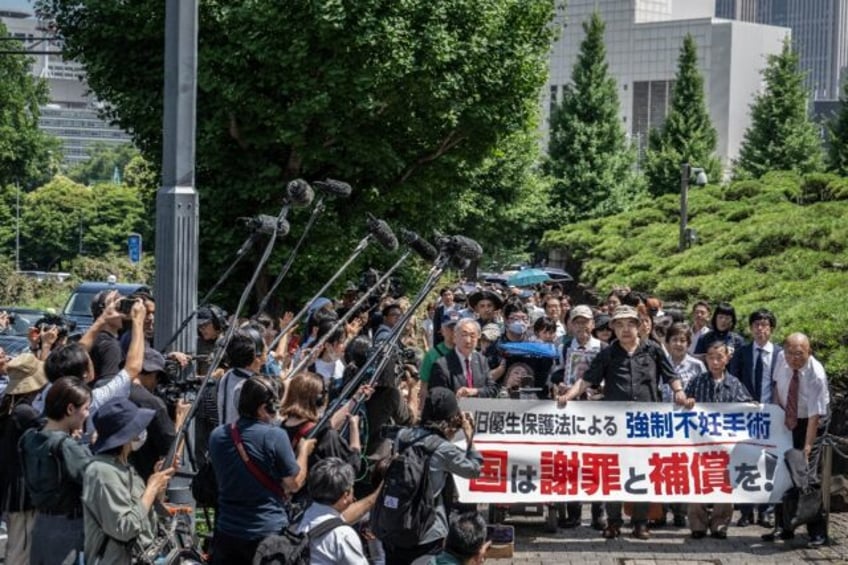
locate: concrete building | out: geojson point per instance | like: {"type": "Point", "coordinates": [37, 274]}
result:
{"type": "Point", "coordinates": [72, 113]}
{"type": "Point", "coordinates": [819, 34]}
{"type": "Point", "coordinates": [643, 40]}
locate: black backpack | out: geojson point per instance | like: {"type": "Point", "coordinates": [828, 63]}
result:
{"type": "Point", "coordinates": [204, 485]}
{"type": "Point", "coordinates": [404, 511]}
{"type": "Point", "coordinates": [44, 468]}
{"type": "Point", "coordinates": [291, 548]}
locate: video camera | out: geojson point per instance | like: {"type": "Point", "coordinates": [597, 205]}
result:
{"type": "Point", "coordinates": [179, 383]}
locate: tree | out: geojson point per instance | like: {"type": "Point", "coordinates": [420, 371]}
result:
{"type": "Point", "coordinates": [389, 96]}
{"type": "Point", "coordinates": [781, 136]}
{"type": "Point", "coordinates": [63, 219]}
{"type": "Point", "coordinates": [838, 137]}
{"type": "Point", "coordinates": [103, 160]}
{"type": "Point", "coordinates": [589, 157]}
{"type": "Point", "coordinates": [25, 151]}
{"type": "Point", "coordinates": [687, 135]}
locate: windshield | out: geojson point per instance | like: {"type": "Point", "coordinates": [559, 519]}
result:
{"type": "Point", "coordinates": [79, 304]}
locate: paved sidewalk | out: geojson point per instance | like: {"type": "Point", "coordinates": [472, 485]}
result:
{"type": "Point", "coordinates": [669, 546]}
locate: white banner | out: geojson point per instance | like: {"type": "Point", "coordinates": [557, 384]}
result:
{"type": "Point", "coordinates": [628, 451]}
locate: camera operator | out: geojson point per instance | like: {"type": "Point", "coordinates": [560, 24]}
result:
{"type": "Point", "coordinates": [211, 324]}
{"type": "Point", "coordinates": [161, 431]}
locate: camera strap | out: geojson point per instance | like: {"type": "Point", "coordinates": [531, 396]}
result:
{"type": "Point", "coordinates": [254, 469]}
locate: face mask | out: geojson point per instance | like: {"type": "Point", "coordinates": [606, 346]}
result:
{"type": "Point", "coordinates": [139, 441]}
{"type": "Point", "coordinates": [517, 328]}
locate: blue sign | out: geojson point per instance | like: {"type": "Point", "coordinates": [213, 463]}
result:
{"type": "Point", "coordinates": [134, 247]}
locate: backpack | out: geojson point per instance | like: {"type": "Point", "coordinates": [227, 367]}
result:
{"type": "Point", "coordinates": [204, 485]}
{"type": "Point", "coordinates": [44, 468]}
{"type": "Point", "coordinates": [291, 548]}
{"type": "Point", "coordinates": [404, 510]}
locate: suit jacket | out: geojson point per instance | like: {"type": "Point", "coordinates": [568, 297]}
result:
{"type": "Point", "coordinates": [741, 366]}
{"type": "Point", "coordinates": [449, 372]}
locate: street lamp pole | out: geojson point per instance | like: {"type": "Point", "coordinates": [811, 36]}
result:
{"type": "Point", "coordinates": [685, 172]}
{"type": "Point", "coordinates": [17, 227]}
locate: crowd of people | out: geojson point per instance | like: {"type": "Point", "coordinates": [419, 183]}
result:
{"type": "Point", "coordinates": [87, 421]}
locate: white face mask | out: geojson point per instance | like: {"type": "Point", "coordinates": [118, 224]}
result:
{"type": "Point", "coordinates": [139, 441]}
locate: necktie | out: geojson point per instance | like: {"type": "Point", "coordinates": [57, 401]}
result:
{"type": "Point", "coordinates": [758, 374]}
{"type": "Point", "coordinates": [792, 402]}
{"type": "Point", "coordinates": [469, 381]}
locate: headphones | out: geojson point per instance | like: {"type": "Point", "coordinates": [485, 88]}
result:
{"type": "Point", "coordinates": [272, 403]}
{"type": "Point", "coordinates": [213, 314]}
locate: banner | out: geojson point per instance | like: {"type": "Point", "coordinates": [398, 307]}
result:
{"type": "Point", "coordinates": [534, 452]}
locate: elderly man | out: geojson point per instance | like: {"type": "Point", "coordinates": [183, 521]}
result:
{"type": "Point", "coordinates": [629, 370]}
{"type": "Point", "coordinates": [464, 370]}
{"type": "Point", "coordinates": [800, 387]}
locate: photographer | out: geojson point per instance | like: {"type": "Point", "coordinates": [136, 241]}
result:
{"type": "Point", "coordinates": [48, 333]}
{"type": "Point", "coordinates": [161, 431]}
{"type": "Point", "coordinates": [105, 350]}
{"type": "Point", "coordinates": [73, 360]}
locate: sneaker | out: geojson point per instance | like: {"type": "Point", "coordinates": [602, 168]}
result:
{"type": "Point", "coordinates": [612, 531]}
{"type": "Point", "coordinates": [641, 532]}
{"type": "Point", "coordinates": [816, 541]}
{"type": "Point", "coordinates": [720, 533]}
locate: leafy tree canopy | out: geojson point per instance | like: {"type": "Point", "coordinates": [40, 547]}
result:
{"type": "Point", "coordinates": [391, 96]}
{"type": "Point", "coordinates": [781, 135]}
{"type": "Point", "coordinates": [687, 135]}
{"type": "Point", "coordinates": [103, 160]}
{"type": "Point", "coordinates": [838, 136]}
{"type": "Point", "coordinates": [25, 151]}
{"type": "Point", "coordinates": [589, 156]}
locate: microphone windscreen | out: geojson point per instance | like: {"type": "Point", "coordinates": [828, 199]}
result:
{"type": "Point", "coordinates": [421, 246]}
{"type": "Point", "coordinates": [382, 233]}
{"type": "Point", "coordinates": [333, 187]}
{"type": "Point", "coordinates": [465, 247]}
{"type": "Point", "coordinates": [299, 193]}
{"type": "Point", "coordinates": [268, 224]}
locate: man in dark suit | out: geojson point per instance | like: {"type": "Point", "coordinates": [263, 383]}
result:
{"type": "Point", "coordinates": [464, 370]}
{"type": "Point", "coordinates": [753, 364]}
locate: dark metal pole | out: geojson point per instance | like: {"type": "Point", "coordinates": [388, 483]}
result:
{"type": "Point", "coordinates": [176, 201]}
{"type": "Point", "coordinates": [684, 205]}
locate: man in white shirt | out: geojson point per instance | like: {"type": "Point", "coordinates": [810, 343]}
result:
{"type": "Point", "coordinates": [330, 485]}
{"type": "Point", "coordinates": [800, 387]}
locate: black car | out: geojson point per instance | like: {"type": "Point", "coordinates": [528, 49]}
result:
{"type": "Point", "coordinates": [78, 306]}
{"type": "Point", "coordinates": [14, 339]}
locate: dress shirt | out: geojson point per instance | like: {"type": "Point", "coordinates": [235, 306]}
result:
{"type": "Point", "coordinates": [813, 394]}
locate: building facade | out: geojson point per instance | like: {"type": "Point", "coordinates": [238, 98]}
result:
{"type": "Point", "coordinates": [819, 34]}
{"type": "Point", "coordinates": [643, 40]}
{"type": "Point", "coordinates": [72, 114]}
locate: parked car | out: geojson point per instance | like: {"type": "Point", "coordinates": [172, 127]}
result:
{"type": "Point", "coordinates": [78, 306]}
{"type": "Point", "coordinates": [14, 339]}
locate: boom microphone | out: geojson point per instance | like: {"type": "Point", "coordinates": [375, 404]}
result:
{"type": "Point", "coordinates": [268, 224]}
{"type": "Point", "coordinates": [461, 246]}
{"type": "Point", "coordinates": [458, 263]}
{"type": "Point", "coordinates": [382, 233]}
{"type": "Point", "coordinates": [333, 187]}
{"type": "Point", "coordinates": [299, 194]}
{"type": "Point", "coordinates": [419, 245]}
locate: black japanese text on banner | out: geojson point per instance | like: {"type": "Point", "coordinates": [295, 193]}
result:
{"type": "Point", "coordinates": [535, 452]}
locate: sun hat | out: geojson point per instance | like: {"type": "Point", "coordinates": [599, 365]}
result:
{"type": "Point", "coordinates": [118, 422]}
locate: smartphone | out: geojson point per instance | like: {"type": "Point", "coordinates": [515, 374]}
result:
{"type": "Point", "coordinates": [125, 306]}
{"type": "Point", "coordinates": [499, 534]}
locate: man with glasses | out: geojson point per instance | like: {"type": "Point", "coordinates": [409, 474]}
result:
{"type": "Point", "coordinates": [464, 369]}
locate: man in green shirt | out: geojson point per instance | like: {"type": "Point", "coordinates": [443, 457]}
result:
{"type": "Point", "coordinates": [449, 320]}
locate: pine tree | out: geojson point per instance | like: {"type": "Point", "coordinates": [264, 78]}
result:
{"type": "Point", "coordinates": [838, 137]}
{"type": "Point", "coordinates": [589, 156]}
{"type": "Point", "coordinates": [781, 136]}
{"type": "Point", "coordinates": [688, 135]}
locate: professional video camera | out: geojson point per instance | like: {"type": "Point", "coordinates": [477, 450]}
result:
{"type": "Point", "coordinates": [180, 382]}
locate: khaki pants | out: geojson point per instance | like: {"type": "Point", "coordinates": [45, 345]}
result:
{"type": "Point", "coordinates": [19, 539]}
{"type": "Point", "coordinates": [700, 518]}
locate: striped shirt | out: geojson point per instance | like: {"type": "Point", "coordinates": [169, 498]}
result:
{"type": "Point", "coordinates": [704, 388]}
{"type": "Point", "coordinates": [686, 370]}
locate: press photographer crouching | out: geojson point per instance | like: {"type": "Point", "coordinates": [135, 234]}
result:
{"type": "Point", "coordinates": [254, 466]}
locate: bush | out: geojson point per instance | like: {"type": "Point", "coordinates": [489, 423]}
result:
{"type": "Point", "coordinates": [816, 187]}
{"type": "Point", "coordinates": [743, 189]}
